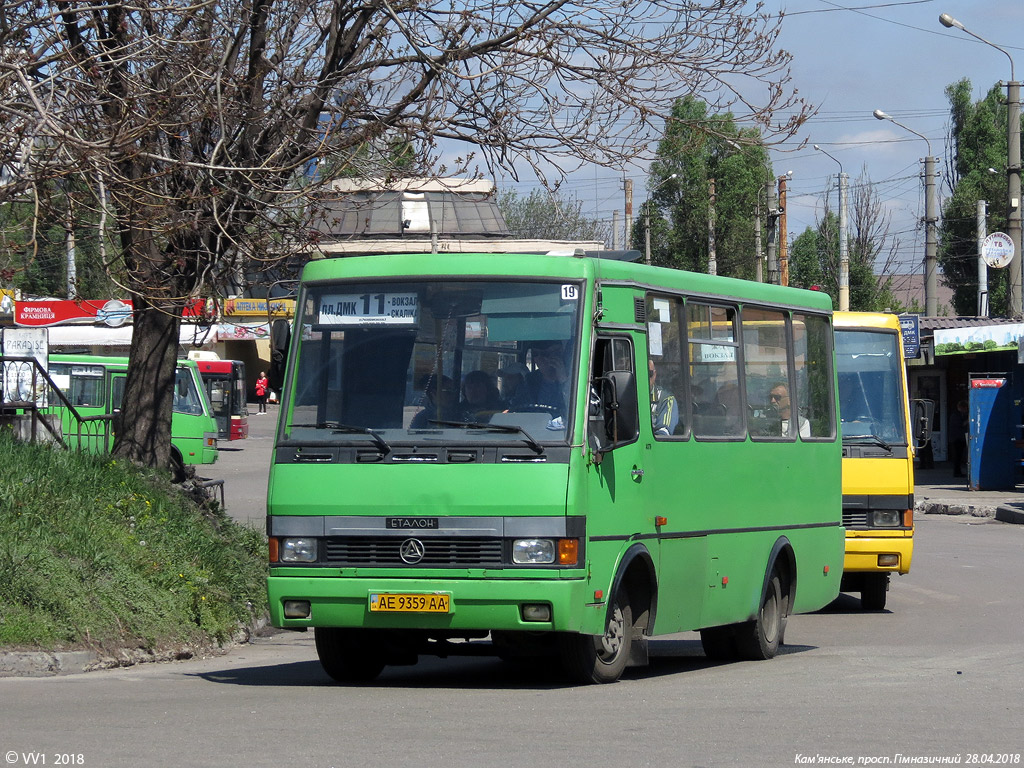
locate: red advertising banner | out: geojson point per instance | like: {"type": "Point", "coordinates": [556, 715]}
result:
{"type": "Point", "coordinates": [112, 312]}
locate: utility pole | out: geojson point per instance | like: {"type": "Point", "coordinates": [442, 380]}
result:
{"type": "Point", "coordinates": [773, 227]}
{"type": "Point", "coordinates": [931, 219]}
{"type": "Point", "coordinates": [844, 252]}
{"type": "Point", "coordinates": [844, 246]}
{"type": "Point", "coordinates": [931, 240]}
{"type": "Point", "coordinates": [69, 248]}
{"type": "Point", "coordinates": [783, 255]}
{"type": "Point", "coordinates": [615, 230]}
{"type": "Point", "coordinates": [712, 256]}
{"type": "Point", "coordinates": [1013, 218]}
{"type": "Point", "coordinates": [982, 266]}
{"type": "Point", "coordinates": [758, 254]}
{"type": "Point", "coordinates": [1013, 174]}
{"type": "Point", "coordinates": [628, 183]}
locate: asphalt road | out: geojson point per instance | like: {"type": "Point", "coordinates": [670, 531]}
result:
{"type": "Point", "coordinates": [939, 675]}
{"type": "Point", "coordinates": [243, 465]}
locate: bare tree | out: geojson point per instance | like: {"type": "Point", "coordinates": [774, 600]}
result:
{"type": "Point", "coordinates": [192, 124]}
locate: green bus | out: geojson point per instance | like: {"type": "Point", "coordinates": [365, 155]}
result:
{"type": "Point", "coordinates": [94, 386]}
{"type": "Point", "coordinates": [470, 459]}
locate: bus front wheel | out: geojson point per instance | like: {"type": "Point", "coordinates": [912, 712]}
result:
{"type": "Point", "coordinates": [875, 590]}
{"type": "Point", "coordinates": [178, 474]}
{"type": "Point", "coordinates": [600, 659]}
{"type": "Point", "coordinates": [760, 639]}
{"type": "Point", "coordinates": [348, 655]}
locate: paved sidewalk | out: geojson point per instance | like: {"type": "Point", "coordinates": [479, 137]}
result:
{"type": "Point", "coordinates": [938, 492]}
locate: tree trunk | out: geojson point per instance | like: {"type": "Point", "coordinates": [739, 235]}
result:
{"type": "Point", "coordinates": [143, 429]}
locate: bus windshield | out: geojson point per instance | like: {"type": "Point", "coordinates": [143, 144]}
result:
{"type": "Point", "coordinates": [450, 360]}
{"type": "Point", "coordinates": [188, 396]}
{"type": "Point", "coordinates": [870, 395]}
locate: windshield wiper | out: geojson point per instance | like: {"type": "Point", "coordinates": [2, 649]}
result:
{"type": "Point", "coordinates": [347, 429]}
{"type": "Point", "coordinates": [509, 429]}
{"type": "Point", "coordinates": [868, 438]}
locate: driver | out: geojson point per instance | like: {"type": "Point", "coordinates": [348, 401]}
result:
{"type": "Point", "coordinates": [546, 384]}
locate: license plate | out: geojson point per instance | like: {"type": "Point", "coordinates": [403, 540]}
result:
{"type": "Point", "coordinates": [409, 603]}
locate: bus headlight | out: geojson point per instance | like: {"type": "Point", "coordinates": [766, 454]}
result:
{"type": "Point", "coordinates": [298, 550]}
{"type": "Point", "coordinates": [887, 518]}
{"type": "Point", "coordinates": [533, 551]}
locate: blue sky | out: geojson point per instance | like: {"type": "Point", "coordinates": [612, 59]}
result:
{"type": "Point", "coordinates": [850, 58]}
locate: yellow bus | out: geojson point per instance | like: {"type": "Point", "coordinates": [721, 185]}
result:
{"type": "Point", "coordinates": [878, 453]}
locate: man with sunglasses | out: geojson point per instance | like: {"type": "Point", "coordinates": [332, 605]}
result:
{"type": "Point", "coordinates": [779, 400]}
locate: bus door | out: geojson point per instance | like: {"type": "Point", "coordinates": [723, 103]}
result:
{"type": "Point", "coordinates": [616, 495]}
{"type": "Point", "coordinates": [220, 392]}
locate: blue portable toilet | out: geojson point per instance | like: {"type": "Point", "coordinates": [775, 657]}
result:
{"type": "Point", "coordinates": [993, 456]}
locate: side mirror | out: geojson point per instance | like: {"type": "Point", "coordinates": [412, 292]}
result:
{"type": "Point", "coordinates": [614, 419]}
{"type": "Point", "coordinates": [922, 414]}
{"type": "Point", "coordinates": [602, 420]}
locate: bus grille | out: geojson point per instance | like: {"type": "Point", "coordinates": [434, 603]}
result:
{"type": "Point", "coordinates": [439, 552]}
{"type": "Point", "coordinates": [855, 518]}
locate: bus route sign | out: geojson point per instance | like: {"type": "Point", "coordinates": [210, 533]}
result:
{"type": "Point", "coordinates": [910, 329]}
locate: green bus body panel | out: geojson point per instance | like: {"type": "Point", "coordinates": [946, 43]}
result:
{"type": "Point", "coordinates": [719, 499]}
{"type": "Point", "coordinates": [188, 431]}
{"type": "Point", "coordinates": [419, 490]}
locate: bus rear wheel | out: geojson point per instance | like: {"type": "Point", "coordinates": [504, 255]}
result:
{"type": "Point", "coordinates": [348, 655]}
{"type": "Point", "coordinates": [600, 659]}
{"type": "Point", "coordinates": [760, 639]}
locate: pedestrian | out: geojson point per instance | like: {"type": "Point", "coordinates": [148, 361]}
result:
{"type": "Point", "coordinates": [262, 390]}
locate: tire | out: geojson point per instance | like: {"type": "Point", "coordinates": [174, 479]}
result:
{"type": "Point", "coordinates": [600, 659]}
{"type": "Point", "coordinates": [760, 639]}
{"type": "Point", "coordinates": [348, 655]}
{"type": "Point", "coordinates": [874, 593]}
{"type": "Point", "coordinates": [719, 643]}
{"type": "Point", "coordinates": [177, 467]}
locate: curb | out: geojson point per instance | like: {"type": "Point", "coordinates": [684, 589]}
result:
{"type": "Point", "coordinates": [1010, 514]}
{"type": "Point", "coordinates": [54, 663]}
{"type": "Point", "coordinates": [929, 507]}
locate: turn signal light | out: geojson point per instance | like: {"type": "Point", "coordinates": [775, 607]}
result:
{"type": "Point", "coordinates": [273, 549]}
{"type": "Point", "coordinates": [908, 518]}
{"type": "Point", "coordinates": [568, 551]}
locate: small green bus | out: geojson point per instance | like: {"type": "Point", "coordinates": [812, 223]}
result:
{"type": "Point", "coordinates": [94, 385]}
{"type": "Point", "coordinates": [562, 456]}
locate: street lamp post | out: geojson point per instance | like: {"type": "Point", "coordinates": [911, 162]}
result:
{"type": "Point", "coordinates": [931, 218]}
{"type": "Point", "coordinates": [647, 216]}
{"type": "Point", "coordinates": [844, 252]}
{"type": "Point", "coordinates": [1013, 217]}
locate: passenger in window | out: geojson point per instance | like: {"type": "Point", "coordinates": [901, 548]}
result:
{"type": "Point", "coordinates": [480, 399]}
{"type": "Point", "coordinates": [781, 403]}
{"type": "Point", "coordinates": [728, 398]}
{"type": "Point", "coordinates": [664, 409]}
{"type": "Point", "coordinates": [511, 379]}
{"type": "Point", "coordinates": [440, 400]}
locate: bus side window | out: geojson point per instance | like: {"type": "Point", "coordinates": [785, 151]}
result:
{"type": "Point", "coordinates": [665, 359]}
{"type": "Point", "coordinates": [812, 346]}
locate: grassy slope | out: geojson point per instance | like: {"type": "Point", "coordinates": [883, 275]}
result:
{"type": "Point", "coordinates": [97, 554]}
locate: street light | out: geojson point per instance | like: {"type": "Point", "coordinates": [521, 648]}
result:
{"type": "Point", "coordinates": [931, 218]}
{"type": "Point", "coordinates": [844, 253]}
{"type": "Point", "coordinates": [1013, 219]}
{"type": "Point", "coordinates": [647, 216]}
